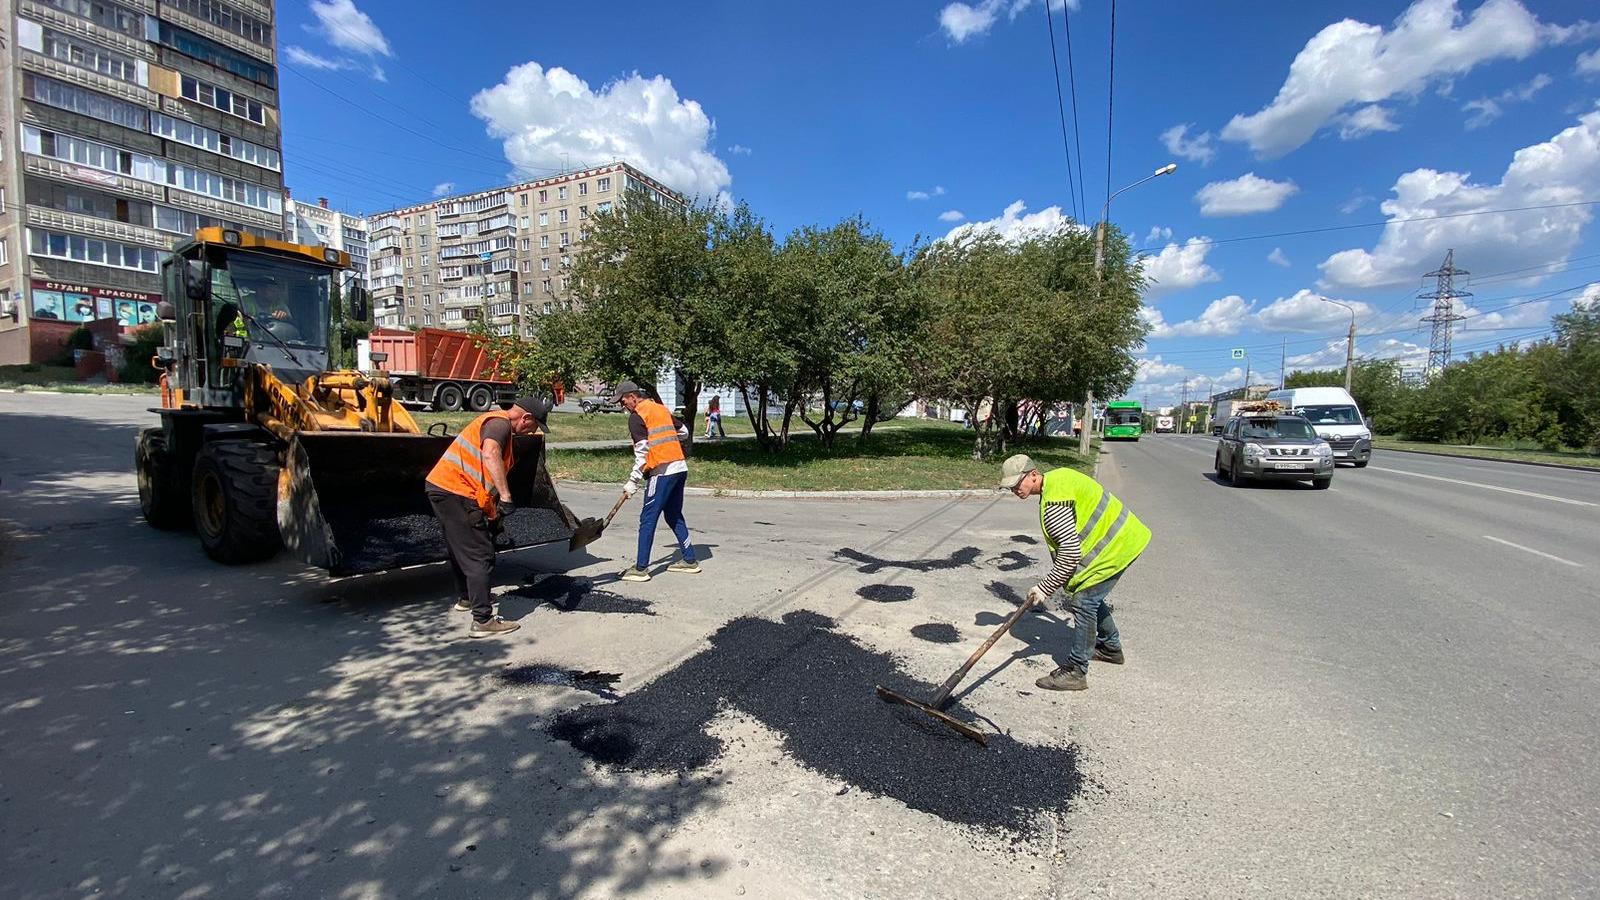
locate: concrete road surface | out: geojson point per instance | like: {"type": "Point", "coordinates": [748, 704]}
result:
{"type": "Point", "coordinates": [1385, 689]}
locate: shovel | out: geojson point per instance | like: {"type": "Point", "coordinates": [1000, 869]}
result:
{"type": "Point", "coordinates": [590, 529]}
{"type": "Point", "coordinates": [935, 703]}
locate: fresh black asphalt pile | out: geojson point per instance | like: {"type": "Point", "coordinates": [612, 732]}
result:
{"type": "Point", "coordinates": [1024, 539]}
{"type": "Point", "coordinates": [576, 594]}
{"type": "Point", "coordinates": [537, 674]}
{"type": "Point", "coordinates": [1013, 561]}
{"type": "Point", "coordinates": [815, 687]}
{"type": "Point", "coordinates": [373, 543]}
{"type": "Point", "coordinates": [870, 565]}
{"type": "Point", "coordinates": [1002, 591]}
{"type": "Point", "coordinates": [936, 632]}
{"type": "Point", "coordinates": [887, 593]}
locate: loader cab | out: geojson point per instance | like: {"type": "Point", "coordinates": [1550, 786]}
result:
{"type": "Point", "coordinates": [237, 299]}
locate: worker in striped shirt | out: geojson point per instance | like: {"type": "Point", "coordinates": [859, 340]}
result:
{"type": "Point", "coordinates": [1093, 539]}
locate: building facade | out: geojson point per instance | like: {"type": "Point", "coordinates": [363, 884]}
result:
{"type": "Point", "coordinates": [502, 256]}
{"type": "Point", "coordinates": [129, 124]}
{"type": "Point", "coordinates": [313, 224]}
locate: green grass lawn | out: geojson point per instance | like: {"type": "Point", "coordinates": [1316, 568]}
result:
{"type": "Point", "coordinates": [566, 428]}
{"type": "Point", "coordinates": [910, 456]}
{"type": "Point", "coordinates": [61, 378]}
{"type": "Point", "coordinates": [1518, 454]}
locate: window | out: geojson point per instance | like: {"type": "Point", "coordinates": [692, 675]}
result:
{"type": "Point", "coordinates": [78, 248]}
{"type": "Point", "coordinates": [410, 281]}
{"type": "Point", "coordinates": [544, 219]}
{"type": "Point", "coordinates": [547, 306]}
{"type": "Point", "coordinates": [526, 266]}
{"type": "Point", "coordinates": [566, 261]}
{"type": "Point", "coordinates": [544, 264]}
{"type": "Point", "coordinates": [544, 196]}
{"type": "Point", "coordinates": [184, 222]}
{"type": "Point", "coordinates": [107, 15]}
{"type": "Point", "coordinates": [547, 288]}
{"type": "Point", "coordinates": [190, 44]}
{"type": "Point", "coordinates": [411, 320]}
{"type": "Point", "coordinates": [544, 242]}
{"type": "Point", "coordinates": [223, 99]}
{"type": "Point", "coordinates": [5, 257]}
{"type": "Point", "coordinates": [601, 209]}
{"type": "Point", "coordinates": [78, 52]}
{"type": "Point", "coordinates": [427, 318]}
{"type": "Point", "coordinates": [410, 261]}
{"type": "Point", "coordinates": [522, 222]}
{"type": "Point", "coordinates": [527, 288]}
{"type": "Point", "coordinates": [424, 242]}
{"type": "Point", "coordinates": [225, 144]}
{"type": "Point", "coordinates": [561, 193]}
{"type": "Point", "coordinates": [93, 154]}
{"type": "Point", "coordinates": [89, 103]}
{"type": "Point", "coordinates": [408, 242]}
{"type": "Point", "coordinates": [564, 241]}
{"type": "Point", "coordinates": [563, 216]}
{"type": "Point", "coordinates": [322, 230]}
{"type": "Point", "coordinates": [221, 187]}
{"type": "Point", "coordinates": [427, 278]}
{"type": "Point", "coordinates": [522, 199]}
{"type": "Point", "coordinates": [603, 185]}
{"type": "Point", "coordinates": [566, 283]}
{"type": "Point", "coordinates": [583, 212]}
{"type": "Point", "coordinates": [583, 189]}
{"type": "Point", "coordinates": [426, 298]}
{"type": "Point", "coordinates": [226, 17]}
{"type": "Point", "coordinates": [524, 243]}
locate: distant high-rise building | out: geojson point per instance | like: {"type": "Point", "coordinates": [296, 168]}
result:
{"type": "Point", "coordinates": [503, 255]}
{"type": "Point", "coordinates": [313, 224]}
{"type": "Point", "coordinates": [131, 123]}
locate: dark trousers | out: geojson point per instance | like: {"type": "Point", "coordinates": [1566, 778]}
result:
{"type": "Point", "coordinates": [471, 549]}
{"type": "Point", "coordinates": [663, 499]}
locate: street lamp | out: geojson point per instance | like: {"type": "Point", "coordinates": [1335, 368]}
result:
{"type": "Point", "coordinates": [1349, 344]}
{"type": "Point", "coordinates": [1099, 267]}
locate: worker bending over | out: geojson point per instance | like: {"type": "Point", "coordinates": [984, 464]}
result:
{"type": "Point", "coordinates": [471, 498]}
{"type": "Point", "coordinates": [659, 462]}
{"type": "Point", "coordinates": [1094, 538]}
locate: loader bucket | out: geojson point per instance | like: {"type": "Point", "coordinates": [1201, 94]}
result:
{"type": "Point", "coordinates": [353, 502]}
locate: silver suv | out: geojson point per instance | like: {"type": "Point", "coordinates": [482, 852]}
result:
{"type": "Point", "coordinates": [1273, 446]}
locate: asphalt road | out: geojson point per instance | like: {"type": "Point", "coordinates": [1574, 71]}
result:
{"type": "Point", "coordinates": [1385, 689]}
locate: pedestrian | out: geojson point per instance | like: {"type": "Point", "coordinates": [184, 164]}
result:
{"type": "Point", "coordinates": [658, 461]}
{"type": "Point", "coordinates": [714, 418]}
{"type": "Point", "coordinates": [1093, 538]}
{"type": "Point", "coordinates": [471, 498]}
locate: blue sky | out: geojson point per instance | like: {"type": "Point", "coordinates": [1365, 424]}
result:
{"type": "Point", "coordinates": [924, 117]}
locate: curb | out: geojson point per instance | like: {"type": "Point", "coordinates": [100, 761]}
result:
{"type": "Point", "coordinates": [1593, 470]}
{"type": "Point", "coordinates": [737, 494]}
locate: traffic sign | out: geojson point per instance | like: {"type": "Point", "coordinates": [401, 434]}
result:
{"type": "Point", "coordinates": [1238, 353]}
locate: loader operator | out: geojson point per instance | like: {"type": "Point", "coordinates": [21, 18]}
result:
{"type": "Point", "coordinates": [471, 497]}
{"type": "Point", "coordinates": [657, 458]}
{"type": "Point", "coordinates": [1094, 538]}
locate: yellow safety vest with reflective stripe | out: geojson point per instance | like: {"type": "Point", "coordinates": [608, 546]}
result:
{"type": "Point", "coordinates": [461, 470]}
{"type": "Point", "coordinates": [661, 435]}
{"type": "Point", "coordinates": [1112, 537]}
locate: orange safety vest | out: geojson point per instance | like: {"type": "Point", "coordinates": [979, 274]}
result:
{"type": "Point", "coordinates": [461, 470]}
{"type": "Point", "coordinates": [661, 435]}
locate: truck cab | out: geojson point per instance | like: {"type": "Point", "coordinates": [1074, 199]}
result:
{"type": "Point", "coordinates": [1334, 415]}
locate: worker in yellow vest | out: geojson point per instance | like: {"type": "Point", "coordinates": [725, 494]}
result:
{"type": "Point", "coordinates": [658, 463]}
{"type": "Point", "coordinates": [1093, 538]}
{"type": "Point", "coordinates": [470, 496]}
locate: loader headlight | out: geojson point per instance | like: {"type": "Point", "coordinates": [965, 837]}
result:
{"type": "Point", "coordinates": [232, 238]}
{"type": "Point", "coordinates": [331, 255]}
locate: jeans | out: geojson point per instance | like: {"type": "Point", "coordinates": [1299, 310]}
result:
{"type": "Point", "coordinates": [1091, 606]}
{"type": "Point", "coordinates": [663, 498]}
{"type": "Point", "coordinates": [470, 548]}
{"type": "Point", "coordinates": [714, 426]}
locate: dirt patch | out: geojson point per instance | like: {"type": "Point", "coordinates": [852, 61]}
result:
{"type": "Point", "coordinates": [887, 593]}
{"type": "Point", "coordinates": [936, 632]}
{"type": "Point", "coordinates": [869, 565]}
{"type": "Point", "coordinates": [814, 686]}
{"type": "Point", "coordinates": [577, 594]}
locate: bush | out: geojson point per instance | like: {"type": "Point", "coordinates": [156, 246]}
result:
{"type": "Point", "coordinates": [136, 367]}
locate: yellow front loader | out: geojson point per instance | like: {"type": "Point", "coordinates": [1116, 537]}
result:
{"type": "Point", "coordinates": [263, 445]}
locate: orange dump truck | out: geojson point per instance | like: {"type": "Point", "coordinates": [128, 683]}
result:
{"type": "Point", "coordinates": [439, 369]}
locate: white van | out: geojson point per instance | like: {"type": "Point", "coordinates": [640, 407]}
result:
{"type": "Point", "coordinates": [1336, 418]}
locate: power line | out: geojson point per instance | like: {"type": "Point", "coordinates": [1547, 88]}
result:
{"type": "Point", "coordinates": [1111, 93]}
{"type": "Point", "coordinates": [1072, 81]}
{"type": "Point", "coordinates": [1061, 112]}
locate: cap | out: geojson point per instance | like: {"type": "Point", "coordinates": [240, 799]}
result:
{"type": "Point", "coordinates": [1013, 470]}
{"type": "Point", "coordinates": [538, 406]}
{"type": "Point", "coordinates": [627, 387]}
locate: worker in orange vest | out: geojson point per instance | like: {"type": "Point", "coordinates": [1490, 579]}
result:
{"type": "Point", "coordinates": [657, 459]}
{"type": "Point", "coordinates": [471, 497]}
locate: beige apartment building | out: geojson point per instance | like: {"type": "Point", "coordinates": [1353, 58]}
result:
{"type": "Point", "coordinates": [503, 256]}
{"type": "Point", "coordinates": [129, 124]}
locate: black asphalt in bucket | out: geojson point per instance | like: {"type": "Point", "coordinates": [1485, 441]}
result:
{"type": "Point", "coordinates": [372, 543]}
{"type": "Point", "coordinates": [813, 685]}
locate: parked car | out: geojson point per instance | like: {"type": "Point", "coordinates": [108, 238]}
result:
{"type": "Point", "coordinates": [1273, 447]}
{"type": "Point", "coordinates": [1336, 418]}
{"type": "Point", "coordinates": [598, 405]}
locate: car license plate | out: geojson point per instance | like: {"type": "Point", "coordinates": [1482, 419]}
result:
{"type": "Point", "coordinates": [1297, 467]}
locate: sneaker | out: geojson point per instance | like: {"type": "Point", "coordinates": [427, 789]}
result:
{"type": "Point", "coordinates": [1064, 679]}
{"type": "Point", "coordinates": [463, 605]}
{"type": "Point", "coordinates": [1102, 653]}
{"type": "Point", "coordinates": [634, 573]}
{"type": "Point", "coordinates": [687, 566]}
{"type": "Point", "coordinates": [492, 628]}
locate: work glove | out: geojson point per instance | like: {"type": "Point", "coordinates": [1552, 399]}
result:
{"type": "Point", "coordinates": [1036, 596]}
{"type": "Point", "coordinates": [504, 508]}
{"type": "Point", "coordinates": [629, 488]}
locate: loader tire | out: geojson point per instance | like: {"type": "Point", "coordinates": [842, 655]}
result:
{"type": "Point", "coordinates": [235, 491]}
{"type": "Point", "coordinates": [162, 498]}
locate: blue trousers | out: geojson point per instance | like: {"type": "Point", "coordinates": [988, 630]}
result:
{"type": "Point", "coordinates": [1092, 624]}
{"type": "Point", "coordinates": [663, 498]}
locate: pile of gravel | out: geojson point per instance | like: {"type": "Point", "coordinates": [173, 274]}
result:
{"type": "Point", "coordinates": [570, 593]}
{"type": "Point", "coordinates": [936, 632]}
{"type": "Point", "coordinates": [871, 565]}
{"type": "Point", "coordinates": [815, 687]}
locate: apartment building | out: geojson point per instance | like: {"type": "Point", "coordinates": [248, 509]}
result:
{"type": "Point", "coordinates": [313, 224]}
{"type": "Point", "coordinates": [503, 256]}
{"type": "Point", "coordinates": [129, 124]}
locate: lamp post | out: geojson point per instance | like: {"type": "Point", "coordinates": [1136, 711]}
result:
{"type": "Point", "coordinates": [1099, 268]}
{"type": "Point", "coordinates": [1349, 344]}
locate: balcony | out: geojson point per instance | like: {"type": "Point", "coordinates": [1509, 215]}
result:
{"type": "Point", "coordinates": [102, 180]}
{"type": "Point", "coordinates": [94, 81]}
{"type": "Point", "coordinates": [221, 36]}
{"type": "Point", "coordinates": [57, 220]}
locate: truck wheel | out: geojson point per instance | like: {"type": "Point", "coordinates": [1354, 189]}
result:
{"type": "Point", "coordinates": [162, 500]}
{"type": "Point", "coordinates": [449, 398]}
{"type": "Point", "coordinates": [236, 501]}
{"type": "Point", "coordinates": [480, 399]}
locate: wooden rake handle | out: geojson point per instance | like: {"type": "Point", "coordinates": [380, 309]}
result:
{"type": "Point", "coordinates": [950, 683]}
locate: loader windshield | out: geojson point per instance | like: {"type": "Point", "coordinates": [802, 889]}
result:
{"type": "Point", "coordinates": [287, 298]}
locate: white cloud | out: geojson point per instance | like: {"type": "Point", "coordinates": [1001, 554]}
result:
{"type": "Point", "coordinates": [740, 150]}
{"type": "Point", "coordinates": [1590, 298]}
{"type": "Point", "coordinates": [1356, 201]}
{"type": "Point", "coordinates": [938, 191]}
{"type": "Point", "coordinates": [378, 74]}
{"type": "Point", "coordinates": [1352, 63]}
{"type": "Point", "coordinates": [1179, 267]}
{"type": "Point", "coordinates": [962, 21]}
{"type": "Point", "coordinates": [1487, 109]}
{"type": "Point", "coordinates": [1158, 234]}
{"type": "Point", "coordinates": [1220, 318]}
{"type": "Point", "coordinates": [952, 215]}
{"type": "Point", "coordinates": [300, 56]}
{"type": "Point", "coordinates": [1365, 121]}
{"type": "Point", "coordinates": [1563, 169]}
{"type": "Point", "coordinates": [1197, 148]}
{"type": "Point", "coordinates": [550, 119]}
{"type": "Point", "coordinates": [1153, 369]}
{"type": "Point", "coordinates": [349, 28]}
{"type": "Point", "coordinates": [1015, 224]}
{"type": "Point", "coordinates": [1589, 63]}
{"type": "Point", "coordinates": [443, 188]}
{"type": "Point", "coordinates": [1244, 195]}
{"type": "Point", "coordinates": [1277, 258]}
{"type": "Point", "coordinates": [1306, 312]}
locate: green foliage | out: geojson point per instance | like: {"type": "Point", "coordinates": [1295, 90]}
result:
{"type": "Point", "coordinates": [1375, 383]}
{"type": "Point", "coordinates": [136, 368]}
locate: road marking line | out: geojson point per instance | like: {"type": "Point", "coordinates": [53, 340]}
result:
{"type": "Point", "coordinates": [1490, 537]}
{"type": "Point", "coordinates": [1487, 487]}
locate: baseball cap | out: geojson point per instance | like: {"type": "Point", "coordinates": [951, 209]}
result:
{"type": "Point", "coordinates": [538, 406]}
{"type": "Point", "coordinates": [627, 387]}
{"type": "Point", "coordinates": [1013, 469]}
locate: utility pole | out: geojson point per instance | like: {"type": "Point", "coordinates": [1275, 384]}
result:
{"type": "Point", "coordinates": [1283, 364]}
{"type": "Point", "coordinates": [1443, 317]}
{"type": "Point", "coordinates": [1349, 344]}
